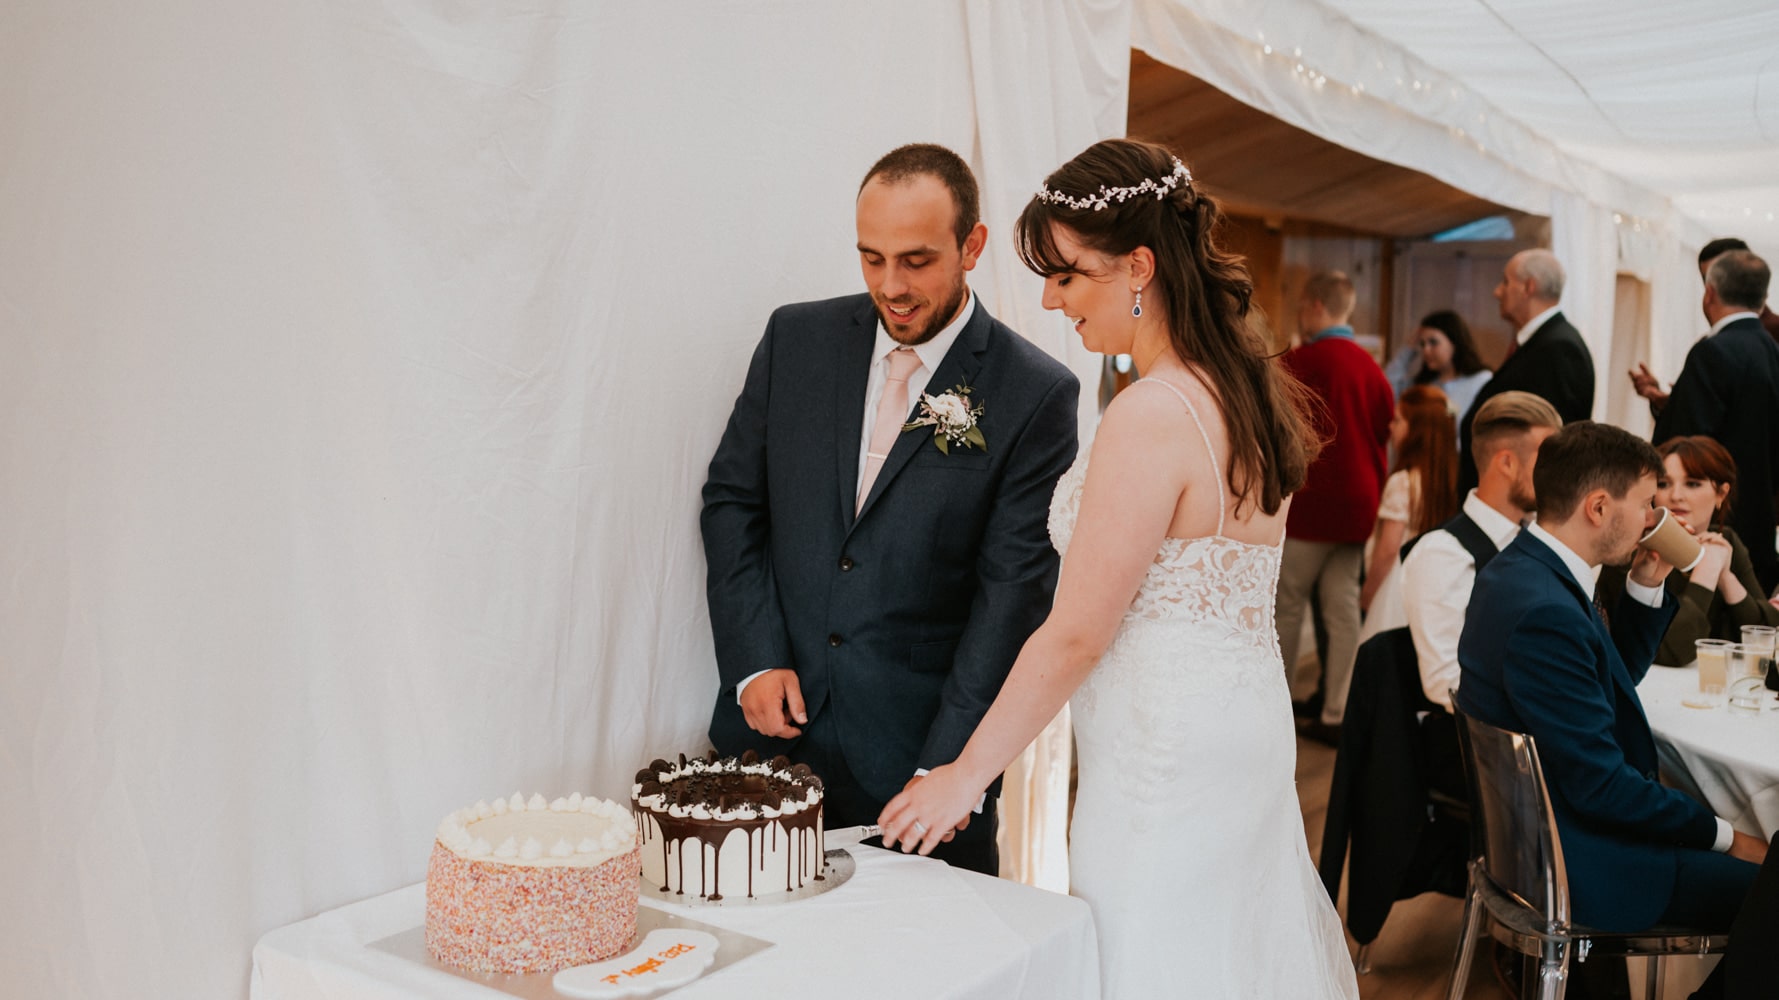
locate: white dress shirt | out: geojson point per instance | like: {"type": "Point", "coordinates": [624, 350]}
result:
{"type": "Point", "coordinates": [930, 353]}
{"type": "Point", "coordinates": [1588, 577]}
{"type": "Point", "coordinates": [1525, 332]}
{"type": "Point", "coordinates": [1437, 578]}
{"type": "Point", "coordinates": [1731, 318]}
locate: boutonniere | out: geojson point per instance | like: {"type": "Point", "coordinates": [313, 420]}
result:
{"type": "Point", "coordinates": [952, 418]}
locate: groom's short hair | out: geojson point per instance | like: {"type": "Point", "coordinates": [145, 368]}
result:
{"type": "Point", "coordinates": [1586, 456]}
{"type": "Point", "coordinates": [918, 158]}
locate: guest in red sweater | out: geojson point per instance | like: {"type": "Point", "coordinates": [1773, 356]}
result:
{"type": "Point", "coordinates": [1333, 514]}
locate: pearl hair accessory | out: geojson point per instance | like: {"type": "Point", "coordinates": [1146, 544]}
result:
{"type": "Point", "coordinates": [1106, 195]}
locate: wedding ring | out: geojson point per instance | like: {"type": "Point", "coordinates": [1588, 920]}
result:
{"type": "Point", "coordinates": [920, 828]}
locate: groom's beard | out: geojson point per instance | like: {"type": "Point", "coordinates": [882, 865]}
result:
{"type": "Point", "coordinates": [901, 334]}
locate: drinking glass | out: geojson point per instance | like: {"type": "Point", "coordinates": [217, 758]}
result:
{"type": "Point", "coordinates": [1713, 660]}
{"type": "Point", "coordinates": [1746, 678]}
{"type": "Point", "coordinates": [1766, 639]}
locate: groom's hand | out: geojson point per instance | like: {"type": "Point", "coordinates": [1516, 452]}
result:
{"type": "Point", "coordinates": [771, 701]}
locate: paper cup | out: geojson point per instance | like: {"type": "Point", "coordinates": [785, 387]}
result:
{"type": "Point", "coordinates": [1670, 540]}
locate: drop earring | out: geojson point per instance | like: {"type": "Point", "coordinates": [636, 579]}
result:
{"type": "Point", "coordinates": [1137, 310]}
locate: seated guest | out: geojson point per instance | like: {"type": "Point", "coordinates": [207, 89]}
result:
{"type": "Point", "coordinates": [1438, 572]}
{"type": "Point", "coordinates": [1449, 359]}
{"type": "Point", "coordinates": [1422, 491]}
{"type": "Point", "coordinates": [1721, 593]}
{"type": "Point", "coordinates": [1538, 658]}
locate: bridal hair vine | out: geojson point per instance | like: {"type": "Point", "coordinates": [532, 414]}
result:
{"type": "Point", "coordinates": [1106, 195]}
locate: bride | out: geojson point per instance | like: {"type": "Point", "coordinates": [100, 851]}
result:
{"type": "Point", "coordinates": [1187, 841]}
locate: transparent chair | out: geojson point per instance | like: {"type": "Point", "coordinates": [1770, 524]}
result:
{"type": "Point", "coordinates": [1517, 878]}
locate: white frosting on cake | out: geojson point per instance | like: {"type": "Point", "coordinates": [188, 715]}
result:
{"type": "Point", "coordinates": [735, 866]}
{"type": "Point", "coordinates": [581, 831]}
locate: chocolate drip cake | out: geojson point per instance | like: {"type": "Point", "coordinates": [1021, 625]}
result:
{"type": "Point", "coordinates": [729, 827]}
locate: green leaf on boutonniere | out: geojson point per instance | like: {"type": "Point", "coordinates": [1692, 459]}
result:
{"type": "Point", "coordinates": [974, 436]}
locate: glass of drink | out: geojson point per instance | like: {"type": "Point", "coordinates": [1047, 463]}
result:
{"type": "Point", "coordinates": [1761, 637]}
{"type": "Point", "coordinates": [1714, 663]}
{"type": "Point", "coordinates": [1766, 639]}
{"type": "Point", "coordinates": [1746, 679]}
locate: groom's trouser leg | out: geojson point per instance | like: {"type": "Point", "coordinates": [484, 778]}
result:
{"type": "Point", "coordinates": [844, 803]}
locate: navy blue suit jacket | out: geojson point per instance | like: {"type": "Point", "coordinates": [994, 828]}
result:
{"type": "Point", "coordinates": [1536, 658]}
{"type": "Point", "coordinates": [903, 620]}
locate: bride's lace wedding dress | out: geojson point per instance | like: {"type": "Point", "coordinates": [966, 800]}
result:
{"type": "Point", "coordinates": [1187, 840]}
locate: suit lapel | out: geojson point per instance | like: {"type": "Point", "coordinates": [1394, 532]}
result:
{"type": "Point", "coordinates": [854, 358]}
{"type": "Point", "coordinates": [960, 367]}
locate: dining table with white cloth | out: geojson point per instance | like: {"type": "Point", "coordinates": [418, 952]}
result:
{"type": "Point", "coordinates": [902, 926]}
{"type": "Point", "coordinates": [1728, 760]}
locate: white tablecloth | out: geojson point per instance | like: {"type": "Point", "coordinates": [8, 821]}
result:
{"type": "Point", "coordinates": [902, 927]}
{"type": "Point", "coordinates": [1731, 762]}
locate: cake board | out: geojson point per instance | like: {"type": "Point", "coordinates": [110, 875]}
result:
{"type": "Point", "coordinates": [732, 947]}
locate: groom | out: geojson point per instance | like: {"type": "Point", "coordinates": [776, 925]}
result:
{"type": "Point", "coordinates": [868, 589]}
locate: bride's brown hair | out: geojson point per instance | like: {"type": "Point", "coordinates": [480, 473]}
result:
{"type": "Point", "coordinates": [1202, 290]}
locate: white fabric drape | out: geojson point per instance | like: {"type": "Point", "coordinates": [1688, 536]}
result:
{"type": "Point", "coordinates": [361, 365]}
{"type": "Point", "coordinates": [1584, 239]}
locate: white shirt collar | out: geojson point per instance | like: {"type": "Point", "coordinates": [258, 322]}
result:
{"type": "Point", "coordinates": [1584, 573]}
{"type": "Point", "coordinates": [1499, 527]}
{"type": "Point", "coordinates": [1732, 317]}
{"type": "Point", "coordinates": [1537, 321]}
{"type": "Point", "coordinates": [933, 351]}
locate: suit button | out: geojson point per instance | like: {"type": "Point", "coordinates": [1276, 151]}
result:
{"type": "Point", "coordinates": [846, 563]}
{"type": "Point", "coordinates": [834, 639]}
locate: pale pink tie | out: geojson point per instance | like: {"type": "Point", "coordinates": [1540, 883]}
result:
{"type": "Point", "coordinates": [892, 412]}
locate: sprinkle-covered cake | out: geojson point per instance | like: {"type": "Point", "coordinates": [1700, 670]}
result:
{"type": "Point", "coordinates": [532, 886]}
{"type": "Point", "coordinates": [729, 827]}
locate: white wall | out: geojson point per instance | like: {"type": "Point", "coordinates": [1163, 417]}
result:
{"type": "Point", "coordinates": [359, 363]}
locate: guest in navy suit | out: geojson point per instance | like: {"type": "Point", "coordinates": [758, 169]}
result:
{"type": "Point", "coordinates": [869, 590]}
{"type": "Point", "coordinates": [1537, 657]}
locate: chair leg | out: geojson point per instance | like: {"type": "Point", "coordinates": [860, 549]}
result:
{"type": "Point", "coordinates": [1467, 941]}
{"type": "Point", "coordinates": [1652, 978]}
{"type": "Point", "coordinates": [1553, 971]}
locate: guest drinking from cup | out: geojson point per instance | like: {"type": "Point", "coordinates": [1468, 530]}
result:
{"type": "Point", "coordinates": [1720, 594]}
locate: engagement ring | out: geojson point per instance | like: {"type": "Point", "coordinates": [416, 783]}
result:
{"type": "Point", "coordinates": [920, 828]}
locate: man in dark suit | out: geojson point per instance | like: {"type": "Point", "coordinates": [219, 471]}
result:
{"type": "Point", "coordinates": [1547, 358]}
{"type": "Point", "coordinates": [869, 589]}
{"type": "Point", "coordinates": [1537, 657]}
{"type": "Point", "coordinates": [1729, 390]}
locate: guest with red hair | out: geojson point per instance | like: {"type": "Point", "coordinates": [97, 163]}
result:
{"type": "Point", "coordinates": [1720, 594]}
{"type": "Point", "coordinates": [1422, 491]}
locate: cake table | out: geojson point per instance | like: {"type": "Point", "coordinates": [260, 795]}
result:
{"type": "Point", "coordinates": [901, 927]}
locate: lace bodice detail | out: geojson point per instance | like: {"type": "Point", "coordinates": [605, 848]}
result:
{"type": "Point", "coordinates": [1215, 581]}
{"type": "Point", "coordinates": [1219, 582]}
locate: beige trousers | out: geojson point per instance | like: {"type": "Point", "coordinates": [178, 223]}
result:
{"type": "Point", "coordinates": [1332, 570]}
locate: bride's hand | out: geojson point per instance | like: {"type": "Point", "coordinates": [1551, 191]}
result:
{"type": "Point", "coordinates": [928, 810]}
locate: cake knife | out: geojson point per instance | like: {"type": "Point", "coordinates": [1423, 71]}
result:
{"type": "Point", "coordinates": [846, 836]}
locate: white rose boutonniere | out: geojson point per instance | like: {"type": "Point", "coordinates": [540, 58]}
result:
{"type": "Point", "coordinates": [953, 419]}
